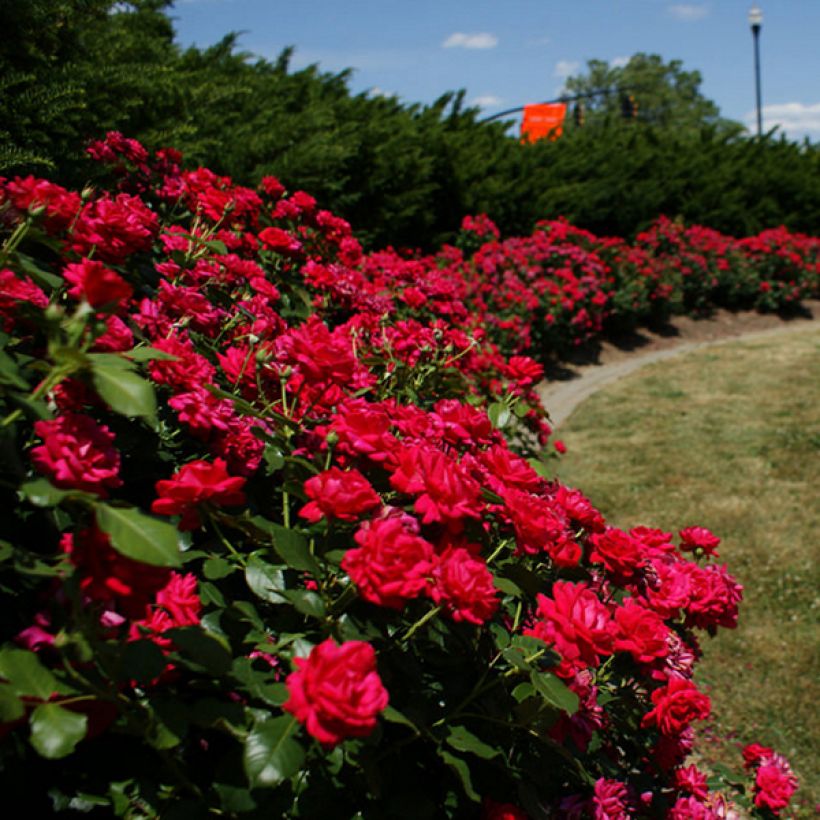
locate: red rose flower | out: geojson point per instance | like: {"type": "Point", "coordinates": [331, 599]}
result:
{"type": "Point", "coordinates": [539, 524]}
{"type": "Point", "coordinates": [195, 483]}
{"type": "Point", "coordinates": [692, 781]}
{"type": "Point", "coordinates": [77, 454]}
{"type": "Point", "coordinates": [676, 705]}
{"type": "Point", "coordinates": [464, 587]}
{"type": "Point", "coordinates": [699, 538]}
{"type": "Point", "coordinates": [754, 753]}
{"type": "Point", "coordinates": [276, 239]}
{"type": "Point", "coordinates": [109, 577]}
{"type": "Point", "coordinates": [445, 491]}
{"type": "Point", "coordinates": [391, 565]}
{"type": "Point", "coordinates": [336, 691]}
{"type": "Point", "coordinates": [775, 784]}
{"type": "Point", "coordinates": [576, 623]}
{"type": "Point", "coordinates": [15, 289]}
{"type": "Point", "coordinates": [177, 604]}
{"type": "Point", "coordinates": [641, 632]}
{"type": "Point", "coordinates": [336, 493]}
{"type": "Point", "coordinates": [714, 597]}
{"type": "Point", "coordinates": [618, 551]}
{"type": "Point", "coordinates": [490, 810]}
{"type": "Point", "coordinates": [96, 284]}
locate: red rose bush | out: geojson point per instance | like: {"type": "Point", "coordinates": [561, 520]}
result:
{"type": "Point", "coordinates": [281, 537]}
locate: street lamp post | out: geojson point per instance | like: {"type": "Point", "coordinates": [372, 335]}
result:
{"type": "Point", "coordinates": [756, 21]}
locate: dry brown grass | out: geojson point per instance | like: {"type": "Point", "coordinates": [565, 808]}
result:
{"type": "Point", "coordinates": [729, 438]}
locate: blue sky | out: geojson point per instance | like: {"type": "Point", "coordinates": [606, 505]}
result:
{"type": "Point", "coordinates": [506, 53]}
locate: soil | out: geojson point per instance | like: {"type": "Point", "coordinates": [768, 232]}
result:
{"type": "Point", "coordinates": [574, 378]}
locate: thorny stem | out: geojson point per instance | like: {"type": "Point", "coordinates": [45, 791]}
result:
{"type": "Point", "coordinates": [226, 543]}
{"type": "Point", "coordinates": [420, 623]}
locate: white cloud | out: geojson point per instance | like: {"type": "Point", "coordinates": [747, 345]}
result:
{"type": "Point", "coordinates": [619, 62]}
{"type": "Point", "coordinates": [480, 40]}
{"type": "Point", "coordinates": [688, 12]}
{"type": "Point", "coordinates": [375, 91]}
{"type": "Point", "coordinates": [566, 68]}
{"type": "Point", "coordinates": [487, 101]}
{"type": "Point", "coordinates": [795, 119]}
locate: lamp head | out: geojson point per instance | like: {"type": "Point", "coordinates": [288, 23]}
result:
{"type": "Point", "coordinates": [755, 16]}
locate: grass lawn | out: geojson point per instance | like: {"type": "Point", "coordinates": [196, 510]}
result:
{"type": "Point", "coordinates": [729, 438]}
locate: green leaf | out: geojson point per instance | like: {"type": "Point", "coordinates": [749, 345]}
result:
{"type": "Point", "coordinates": [523, 691]}
{"type": "Point", "coordinates": [204, 649]}
{"type": "Point", "coordinates": [499, 414]}
{"type": "Point", "coordinates": [215, 568]}
{"type": "Point", "coordinates": [393, 715]}
{"type": "Point", "coordinates": [149, 354]}
{"type": "Point", "coordinates": [124, 391]}
{"type": "Point", "coordinates": [461, 768]}
{"type": "Point", "coordinates": [501, 637]}
{"type": "Point", "coordinates": [555, 691]}
{"type": "Point", "coordinates": [265, 580]}
{"type": "Point", "coordinates": [168, 724]}
{"type": "Point", "coordinates": [26, 675]}
{"type": "Point", "coordinates": [217, 246]}
{"type": "Point", "coordinates": [491, 496]}
{"type": "Point", "coordinates": [11, 707]}
{"type": "Point", "coordinates": [56, 731]}
{"type": "Point", "coordinates": [140, 536]}
{"type": "Point", "coordinates": [274, 460]}
{"type": "Point", "coordinates": [541, 467]}
{"type": "Point", "coordinates": [42, 493]}
{"type": "Point", "coordinates": [9, 372]}
{"type": "Point", "coordinates": [463, 740]}
{"type": "Point", "coordinates": [40, 276]}
{"type": "Point", "coordinates": [307, 602]}
{"type": "Point", "coordinates": [516, 658]}
{"type": "Point", "coordinates": [506, 586]}
{"type": "Point", "coordinates": [210, 710]}
{"type": "Point", "coordinates": [142, 661]}
{"type": "Point", "coordinates": [290, 545]}
{"type": "Point", "coordinates": [271, 755]}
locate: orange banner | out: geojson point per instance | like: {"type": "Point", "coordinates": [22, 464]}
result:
{"type": "Point", "coordinates": [543, 120]}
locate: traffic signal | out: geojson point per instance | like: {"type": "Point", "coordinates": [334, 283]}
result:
{"type": "Point", "coordinates": [629, 107]}
{"type": "Point", "coordinates": [579, 114]}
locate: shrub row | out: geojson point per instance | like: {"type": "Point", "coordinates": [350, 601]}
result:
{"type": "Point", "coordinates": [280, 539]}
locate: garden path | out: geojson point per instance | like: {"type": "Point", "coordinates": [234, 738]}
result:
{"type": "Point", "coordinates": [570, 381]}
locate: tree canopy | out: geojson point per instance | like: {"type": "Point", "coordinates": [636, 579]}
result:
{"type": "Point", "coordinates": [664, 93]}
{"type": "Point", "coordinates": [403, 174]}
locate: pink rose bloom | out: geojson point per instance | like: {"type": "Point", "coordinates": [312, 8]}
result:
{"type": "Point", "coordinates": [775, 784]}
{"type": "Point", "coordinates": [77, 454]}
{"type": "Point", "coordinates": [336, 692]}
{"type": "Point", "coordinates": [610, 800]}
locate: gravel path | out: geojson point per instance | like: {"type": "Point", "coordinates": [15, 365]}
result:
{"type": "Point", "coordinates": [577, 382]}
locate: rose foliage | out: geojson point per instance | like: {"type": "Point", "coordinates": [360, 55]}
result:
{"type": "Point", "coordinates": [280, 539]}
